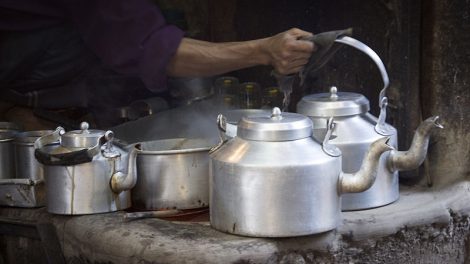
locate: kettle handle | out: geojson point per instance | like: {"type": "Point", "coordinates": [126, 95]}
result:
{"type": "Point", "coordinates": [222, 126]}
{"type": "Point", "coordinates": [328, 148]}
{"type": "Point", "coordinates": [63, 159]}
{"type": "Point", "coordinates": [381, 127]}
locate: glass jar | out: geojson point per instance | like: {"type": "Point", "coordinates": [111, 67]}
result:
{"type": "Point", "coordinates": [272, 97]}
{"type": "Point", "coordinates": [250, 95]}
{"type": "Point", "coordinates": [227, 90]}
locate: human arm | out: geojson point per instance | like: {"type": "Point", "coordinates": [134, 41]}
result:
{"type": "Point", "coordinates": [284, 51]}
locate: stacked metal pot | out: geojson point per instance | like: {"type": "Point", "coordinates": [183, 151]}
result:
{"type": "Point", "coordinates": [21, 176]}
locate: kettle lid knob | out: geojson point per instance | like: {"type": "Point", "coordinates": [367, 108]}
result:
{"type": "Point", "coordinates": [333, 93]}
{"type": "Point", "coordinates": [276, 114]}
{"type": "Point", "coordinates": [84, 127]}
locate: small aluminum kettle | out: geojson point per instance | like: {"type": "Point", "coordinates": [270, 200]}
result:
{"type": "Point", "coordinates": [274, 180]}
{"type": "Point", "coordinates": [85, 173]}
{"type": "Point", "coordinates": [355, 131]}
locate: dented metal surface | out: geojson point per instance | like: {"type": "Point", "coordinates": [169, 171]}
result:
{"type": "Point", "coordinates": [22, 193]}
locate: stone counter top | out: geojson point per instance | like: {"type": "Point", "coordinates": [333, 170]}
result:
{"type": "Point", "coordinates": [408, 231]}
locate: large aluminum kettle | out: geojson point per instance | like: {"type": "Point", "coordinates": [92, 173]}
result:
{"type": "Point", "coordinates": [85, 173]}
{"type": "Point", "coordinates": [355, 131]}
{"type": "Point", "coordinates": [274, 180]}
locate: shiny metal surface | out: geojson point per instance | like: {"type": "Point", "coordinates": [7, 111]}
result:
{"type": "Point", "coordinates": [83, 138]}
{"type": "Point", "coordinates": [274, 189]}
{"type": "Point", "coordinates": [86, 186]}
{"type": "Point", "coordinates": [26, 164]}
{"type": "Point", "coordinates": [276, 126]}
{"type": "Point", "coordinates": [172, 174]}
{"type": "Point", "coordinates": [353, 135]}
{"type": "Point", "coordinates": [333, 104]}
{"type": "Point", "coordinates": [83, 189]}
{"type": "Point", "coordinates": [234, 116]}
{"type": "Point", "coordinates": [281, 188]}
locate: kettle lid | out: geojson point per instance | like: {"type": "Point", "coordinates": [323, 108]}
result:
{"type": "Point", "coordinates": [83, 138]}
{"type": "Point", "coordinates": [333, 104]}
{"type": "Point", "coordinates": [275, 127]}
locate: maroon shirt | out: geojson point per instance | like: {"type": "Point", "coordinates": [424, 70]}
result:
{"type": "Point", "coordinates": [130, 36]}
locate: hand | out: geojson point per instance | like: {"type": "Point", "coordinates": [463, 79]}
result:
{"type": "Point", "coordinates": [286, 52]}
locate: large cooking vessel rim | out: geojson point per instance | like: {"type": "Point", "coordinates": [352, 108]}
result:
{"type": "Point", "coordinates": [205, 142]}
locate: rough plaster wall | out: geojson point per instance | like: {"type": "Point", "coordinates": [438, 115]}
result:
{"type": "Point", "coordinates": [446, 86]}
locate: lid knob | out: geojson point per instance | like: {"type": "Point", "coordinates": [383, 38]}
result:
{"type": "Point", "coordinates": [276, 114]}
{"type": "Point", "coordinates": [333, 93]}
{"type": "Point", "coordinates": [84, 127]}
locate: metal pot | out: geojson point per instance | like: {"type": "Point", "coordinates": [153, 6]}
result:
{"type": "Point", "coordinates": [27, 166]}
{"type": "Point", "coordinates": [274, 180]}
{"type": "Point", "coordinates": [7, 152]}
{"type": "Point", "coordinates": [173, 174]}
{"type": "Point", "coordinates": [356, 129]}
{"type": "Point", "coordinates": [84, 172]}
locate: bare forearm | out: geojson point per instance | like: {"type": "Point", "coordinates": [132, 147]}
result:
{"type": "Point", "coordinates": [284, 51]}
{"type": "Point", "coordinates": [201, 58]}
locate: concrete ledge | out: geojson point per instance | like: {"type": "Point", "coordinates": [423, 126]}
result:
{"type": "Point", "coordinates": [408, 231]}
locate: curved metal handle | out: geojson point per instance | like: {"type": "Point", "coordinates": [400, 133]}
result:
{"type": "Point", "coordinates": [364, 48]}
{"type": "Point", "coordinates": [222, 126]}
{"type": "Point", "coordinates": [48, 139]}
{"type": "Point", "coordinates": [63, 159]}
{"type": "Point", "coordinates": [328, 148]}
{"type": "Point", "coordinates": [381, 127]}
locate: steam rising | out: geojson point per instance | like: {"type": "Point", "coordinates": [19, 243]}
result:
{"type": "Point", "coordinates": [197, 120]}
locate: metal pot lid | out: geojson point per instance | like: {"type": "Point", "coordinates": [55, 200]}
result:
{"type": "Point", "coordinates": [84, 138]}
{"type": "Point", "coordinates": [275, 127]}
{"type": "Point", "coordinates": [174, 146]}
{"type": "Point", "coordinates": [333, 104]}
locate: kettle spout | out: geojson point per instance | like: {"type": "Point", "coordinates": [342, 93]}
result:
{"type": "Point", "coordinates": [412, 158]}
{"type": "Point", "coordinates": [125, 181]}
{"type": "Point", "coordinates": [365, 177]}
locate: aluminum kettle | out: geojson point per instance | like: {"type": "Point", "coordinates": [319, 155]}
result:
{"type": "Point", "coordinates": [85, 173]}
{"type": "Point", "coordinates": [274, 180]}
{"type": "Point", "coordinates": [355, 131]}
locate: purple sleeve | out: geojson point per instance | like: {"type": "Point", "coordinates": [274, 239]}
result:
{"type": "Point", "coordinates": [130, 36]}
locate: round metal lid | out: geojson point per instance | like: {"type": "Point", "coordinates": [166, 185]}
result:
{"type": "Point", "coordinates": [275, 127]}
{"type": "Point", "coordinates": [333, 104]}
{"type": "Point", "coordinates": [83, 138]}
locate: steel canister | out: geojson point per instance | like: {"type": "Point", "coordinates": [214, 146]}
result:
{"type": "Point", "coordinates": [7, 153]}
{"type": "Point", "coordinates": [26, 164]}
